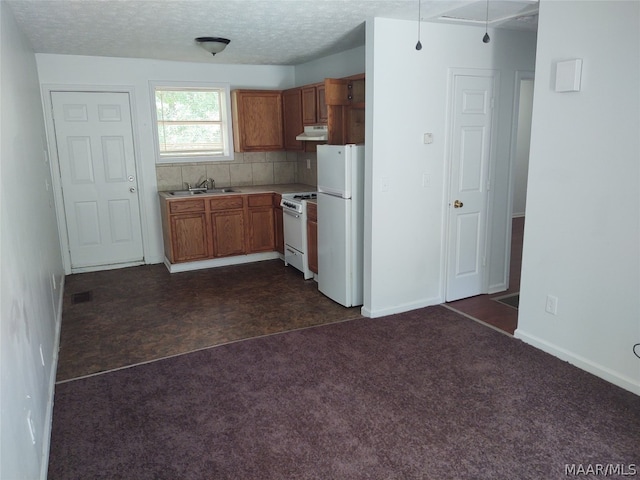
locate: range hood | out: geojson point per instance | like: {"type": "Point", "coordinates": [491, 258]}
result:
{"type": "Point", "coordinates": [314, 133]}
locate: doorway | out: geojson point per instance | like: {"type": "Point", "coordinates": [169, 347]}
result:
{"type": "Point", "coordinates": [470, 154]}
{"type": "Point", "coordinates": [100, 205]}
{"type": "Point", "coordinates": [490, 309]}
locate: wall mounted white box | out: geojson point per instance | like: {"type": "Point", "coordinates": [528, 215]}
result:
{"type": "Point", "coordinates": [568, 75]}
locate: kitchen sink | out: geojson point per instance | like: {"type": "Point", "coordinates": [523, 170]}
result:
{"type": "Point", "coordinates": [189, 193]}
{"type": "Point", "coordinates": [222, 190]}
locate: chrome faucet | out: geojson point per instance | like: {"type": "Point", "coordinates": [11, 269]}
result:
{"type": "Point", "coordinates": [202, 185]}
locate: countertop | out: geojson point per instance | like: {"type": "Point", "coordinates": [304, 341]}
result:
{"type": "Point", "coordinates": [245, 189]}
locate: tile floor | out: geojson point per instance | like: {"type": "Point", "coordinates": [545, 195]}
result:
{"type": "Point", "coordinates": [144, 313]}
{"type": "Point", "coordinates": [116, 318]}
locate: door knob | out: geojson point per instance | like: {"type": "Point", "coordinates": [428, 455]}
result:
{"type": "Point", "coordinates": [132, 190]}
{"type": "Point", "coordinates": [458, 204]}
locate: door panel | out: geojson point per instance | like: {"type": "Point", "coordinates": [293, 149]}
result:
{"type": "Point", "coordinates": [94, 138]}
{"type": "Point", "coordinates": [470, 159]}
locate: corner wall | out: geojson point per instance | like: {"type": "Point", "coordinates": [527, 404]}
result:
{"type": "Point", "coordinates": [582, 232]}
{"type": "Point", "coordinates": [343, 64]}
{"type": "Point", "coordinates": [32, 274]}
{"type": "Point", "coordinates": [407, 95]}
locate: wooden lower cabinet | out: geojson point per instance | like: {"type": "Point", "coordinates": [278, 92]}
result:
{"type": "Point", "coordinates": [228, 225]}
{"type": "Point", "coordinates": [312, 237]}
{"type": "Point", "coordinates": [228, 233]}
{"type": "Point", "coordinates": [189, 234]}
{"type": "Point", "coordinates": [278, 223]}
{"type": "Point", "coordinates": [261, 236]}
{"type": "Point", "coordinates": [220, 226]}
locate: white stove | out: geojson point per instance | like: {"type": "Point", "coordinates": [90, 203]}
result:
{"type": "Point", "coordinates": [294, 209]}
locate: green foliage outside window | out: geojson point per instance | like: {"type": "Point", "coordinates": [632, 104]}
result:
{"type": "Point", "coordinates": [190, 122]}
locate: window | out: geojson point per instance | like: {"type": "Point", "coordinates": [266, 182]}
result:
{"type": "Point", "coordinates": [193, 123]}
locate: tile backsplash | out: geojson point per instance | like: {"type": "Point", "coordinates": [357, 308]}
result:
{"type": "Point", "coordinates": [249, 168]}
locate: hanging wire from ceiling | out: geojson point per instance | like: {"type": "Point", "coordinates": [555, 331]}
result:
{"type": "Point", "coordinates": [486, 38]}
{"type": "Point", "coordinates": [419, 45]}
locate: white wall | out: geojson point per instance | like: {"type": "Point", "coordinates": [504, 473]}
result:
{"type": "Point", "coordinates": [582, 233]}
{"type": "Point", "coordinates": [343, 64]}
{"type": "Point", "coordinates": [30, 306]}
{"type": "Point", "coordinates": [522, 146]}
{"type": "Point", "coordinates": [407, 95]}
{"type": "Point", "coordinates": [70, 70]}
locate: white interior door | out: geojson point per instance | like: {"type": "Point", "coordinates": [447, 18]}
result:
{"type": "Point", "coordinates": [469, 183]}
{"type": "Point", "coordinates": [96, 156]}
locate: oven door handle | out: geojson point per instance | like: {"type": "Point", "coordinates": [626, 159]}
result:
{"type": "Point", "coordinates": [289, 212]}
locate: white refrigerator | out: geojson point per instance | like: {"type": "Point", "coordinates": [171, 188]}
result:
{"type": "Point", "coordinates": [341, 222]}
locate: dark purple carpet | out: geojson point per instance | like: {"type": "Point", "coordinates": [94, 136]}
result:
{"type": "Point", "coordinates": [427, 394]}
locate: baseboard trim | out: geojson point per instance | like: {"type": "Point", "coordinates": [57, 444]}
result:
{"type": "Point", "coordinates": [48, 421]}
{"type": "Point", "coordinates": [585, 364]}
{"type": "Point", "coordinates": [219, 262]}
{"type": "Point", "coordinates": [405, 307]}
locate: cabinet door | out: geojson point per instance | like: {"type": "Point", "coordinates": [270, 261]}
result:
{"type": "Point", "coordinates": [261, 229]}
{"type": "Point", "coordinates": [257, 120]}
{"type": "Point", "coordinates": [309, 106]}
{"type": "Point", "coordinates": [312, 245]}
{"type": "Point", "coordinates": [321, 108]}
{"type": "Point", "coordinates": [292, 114]}
{"type": "Point", "coordinates": [278, 224]}
{"type": "Point", "coordinates": [312, 236]}
{"type": "Point", "coordinates": [189, 237]}
{"type": "Point", "coordinates": [228, 233]}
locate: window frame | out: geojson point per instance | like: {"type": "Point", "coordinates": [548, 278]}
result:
{"type": "Point", "coordinates": [225, 115]}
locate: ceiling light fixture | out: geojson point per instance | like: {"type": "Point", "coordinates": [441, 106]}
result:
{"type": "Point", "coordinates": [213, 45]}
{"type": "Point", "coordinates": [419, 45]}
{"type": "Point", "coordinates": [486, 38]}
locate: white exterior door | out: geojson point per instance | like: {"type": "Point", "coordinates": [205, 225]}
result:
{"type": "Point", "coordinates": [94, 140]}
{"type": "Point", "coordinates": [472, 109]}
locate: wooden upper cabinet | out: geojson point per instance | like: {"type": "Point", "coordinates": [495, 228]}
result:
{"type": "Point", "coordinates": [321, 104]}
{"type": "Point", "coordinates": [292, 114]}
{"type": "Point", "coordinates": [309, 106]}
{"type": "Point", "coordinates": [257, 120]}
{"type": "Point", "coordinates": [336, 91]}
{"type": "Point", "coordinates": [345, 99]}
{"type": "Point", "coordinates": [349, 91]}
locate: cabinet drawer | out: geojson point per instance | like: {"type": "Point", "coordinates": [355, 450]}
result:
{"type": "Point", "coordinates": [182, 206]}
{"type": "Point", "coordinates": [312, 212]}
{"type": "Point", "coordinates": [260, 200]}
{"type": "Point", "coordinates": [226, 203]}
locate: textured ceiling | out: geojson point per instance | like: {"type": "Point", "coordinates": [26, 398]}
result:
{"type": "Point", "coordinates": [262, 32]}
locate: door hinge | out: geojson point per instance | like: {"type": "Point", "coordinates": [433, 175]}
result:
{"type": "Point", "coordinates": [488, 185]}
{"type": "Point", "coordinates": [484, 261]}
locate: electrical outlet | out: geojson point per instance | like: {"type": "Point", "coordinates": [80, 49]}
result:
{"type": "Point", "coordinates": [552, 305]}
{"type": "Point", "coordinates": [308, 164]}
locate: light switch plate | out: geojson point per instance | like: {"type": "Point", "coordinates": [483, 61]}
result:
{"type": "Point", "coordinates": [568, 75]}
{"type": "Point", "coordinates": [428, 138]}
